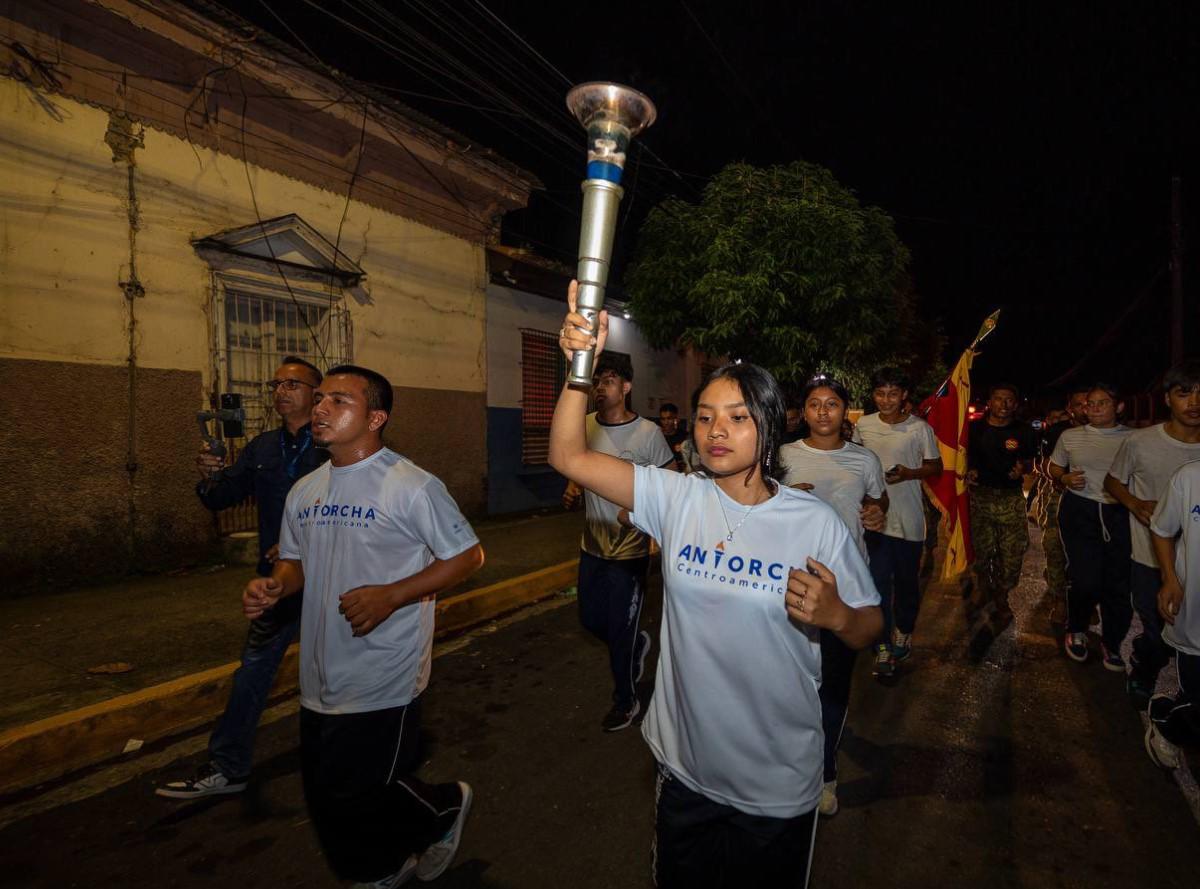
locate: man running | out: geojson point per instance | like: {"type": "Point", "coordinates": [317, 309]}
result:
{"type": "Point", "coordinates": [371, 539]}
{"type": "Point", "coordinates": [907, 449]}
{"type": "Point", "coordinates": [1000, 450]}
{"type": "Point", "coordinates": [668, 422]}
{"type": "Point", "coordinates": [614, 555]}
{"type": "Point", "coordinates": [1051, 492]}
{"type": "Point", "coordinates": [1138, 479]}
{"type": "Point", "coordinates": [1175, 531]}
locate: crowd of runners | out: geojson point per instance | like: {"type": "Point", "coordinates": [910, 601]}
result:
{"type": "Point", "coordinates": [791, 538]}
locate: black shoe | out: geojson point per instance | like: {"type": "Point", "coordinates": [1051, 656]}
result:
{"type": "Point", "coordinates": [1139, 691]}
{"type": "Point", "coordinates": [619, 717]}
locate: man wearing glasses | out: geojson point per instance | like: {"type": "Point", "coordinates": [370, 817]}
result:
{"type": "Point", "coordinates": [267, 468]}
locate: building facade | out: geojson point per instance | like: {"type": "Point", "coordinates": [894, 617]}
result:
{"type": "Point", "coordinates": [182, 203]}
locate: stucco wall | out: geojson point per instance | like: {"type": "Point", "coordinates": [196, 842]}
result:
{"type": "Point", "coordinates": [64, 237]}
{"type": "Point", "coordinates": [74, 513]}
{"type": "Point", "coordinates": [64, 249]}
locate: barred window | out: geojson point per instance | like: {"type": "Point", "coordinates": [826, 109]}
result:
{"type": "Point", "coordinates": [543, 372]}
{"type": "Point", "coordinates": [253, 332]}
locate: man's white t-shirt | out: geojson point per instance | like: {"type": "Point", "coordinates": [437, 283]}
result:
{"type": "Point", "coordinates": [373, 522]}
{"type": "Point", "coordinates": [1145, 463]}
{"type": "Point", "coordinates": [840, 477]}
{"type": "Point", "coordinates": [1178, 513]}
{"type": "Point", "coordinates": [735, 714]}
{"type": "Point", "coordinates": [636, 441]}
{"type": "Point", "coordinates": [908, 443]}
{"type": "Point", "coordinates": [1092, 450]}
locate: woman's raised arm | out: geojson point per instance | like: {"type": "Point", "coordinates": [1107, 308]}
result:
{"type": "Point", "coordinates": [601, 474]}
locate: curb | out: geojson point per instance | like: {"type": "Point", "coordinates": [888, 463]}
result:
{"type": "Point", "coordinates": [55, 746]}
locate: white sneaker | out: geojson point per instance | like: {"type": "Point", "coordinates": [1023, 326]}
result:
{"type": "Point", "coordinates": [208, 781]}
{"type": "Point", "coordinates": [434, 860]}
{"type": "Point", "coordinates": [828, 805]}
{"type": "Point", "coordinates": [399, 878]}
{"type": "Point", "coordinates": [1162, 752]}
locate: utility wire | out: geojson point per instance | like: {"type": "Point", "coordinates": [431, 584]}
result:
{"type": "Point", "coordinates": [270, 248]}
{"type": "Point", "coordinates": [337, 244]}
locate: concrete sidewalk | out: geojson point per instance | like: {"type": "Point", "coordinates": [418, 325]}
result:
{"type": "Point", "coordinates": [171, 626]}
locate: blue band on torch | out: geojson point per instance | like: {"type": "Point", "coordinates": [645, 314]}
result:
{"type": "Point", "coordinates": [602, 170]}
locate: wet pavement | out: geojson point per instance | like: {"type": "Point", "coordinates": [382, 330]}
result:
{"type": "Point", "coordinates": [981, 765]}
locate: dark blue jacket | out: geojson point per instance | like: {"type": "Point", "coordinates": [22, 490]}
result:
{"type": "Point", "coordinates": [262, 470]}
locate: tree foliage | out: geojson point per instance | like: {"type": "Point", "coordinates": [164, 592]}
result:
{"type": "Point", "coordinates": [781, 266]}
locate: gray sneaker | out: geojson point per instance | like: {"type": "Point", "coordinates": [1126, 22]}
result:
{"type": "Point", "coordinates": [208, 781]}
{"type": "Point", "coordinates": [434, 860]}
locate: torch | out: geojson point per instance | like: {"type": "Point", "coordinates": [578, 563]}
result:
{"type": "Point", "coordinates": [613, 115]}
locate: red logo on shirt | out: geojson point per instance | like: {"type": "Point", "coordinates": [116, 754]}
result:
{"type": "Point", "coordinates": [1011, 444]}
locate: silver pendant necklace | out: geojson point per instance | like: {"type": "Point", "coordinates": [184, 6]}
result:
{"type": "Point", "coordinates": [741, 521]}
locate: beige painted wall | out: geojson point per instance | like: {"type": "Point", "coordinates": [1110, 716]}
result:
{"type": "Point", "coordinates": [64, 248]}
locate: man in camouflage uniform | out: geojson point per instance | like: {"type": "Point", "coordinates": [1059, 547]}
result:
{"type": "Point", "coordinates": [999, 452]}
{"type": "Point", "coordinates": [1055, 574]}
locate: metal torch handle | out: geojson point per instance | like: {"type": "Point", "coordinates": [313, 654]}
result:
{"type": "Point", "coordinates": [601, 199]}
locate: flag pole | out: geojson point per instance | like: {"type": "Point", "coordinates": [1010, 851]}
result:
{"type": "Point", "coordinates": [989, 324]}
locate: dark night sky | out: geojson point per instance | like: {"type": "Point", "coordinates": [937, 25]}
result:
{"type": "Point", "coordinates": [1025, 150]}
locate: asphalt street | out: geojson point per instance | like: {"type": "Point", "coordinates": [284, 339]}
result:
{"type": "Point", "coordinates": [987, 763]}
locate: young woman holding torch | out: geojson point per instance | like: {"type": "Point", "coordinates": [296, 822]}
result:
{"type": "Point", "coordinates": [752, 572]}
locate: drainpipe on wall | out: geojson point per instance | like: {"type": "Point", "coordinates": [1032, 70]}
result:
{"type": "Point", "coordinates": [122, 139]}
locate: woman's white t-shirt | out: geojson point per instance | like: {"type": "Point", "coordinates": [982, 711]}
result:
{"type": "Point", "coordinates": [735, 714]}
{"type": "Point", "coordinates": [841, 477]}
{"type": "Point", "coordinates": [1092, 450]}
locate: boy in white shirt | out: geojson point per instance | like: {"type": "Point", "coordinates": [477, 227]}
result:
{"type": "Point", "coordinates": [1138, 478]}
{"type": "Point", "coordinates": [1175, 530]}
{"type": "Point", "coordinates": [908, 451]}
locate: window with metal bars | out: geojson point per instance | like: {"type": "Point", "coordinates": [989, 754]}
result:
{"type": "Point", "coordinates": [260, 331]}
{"type": "Point", "coordinates": [543, 372]}
{"type": "Point", "coordinates": [253, 333]}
